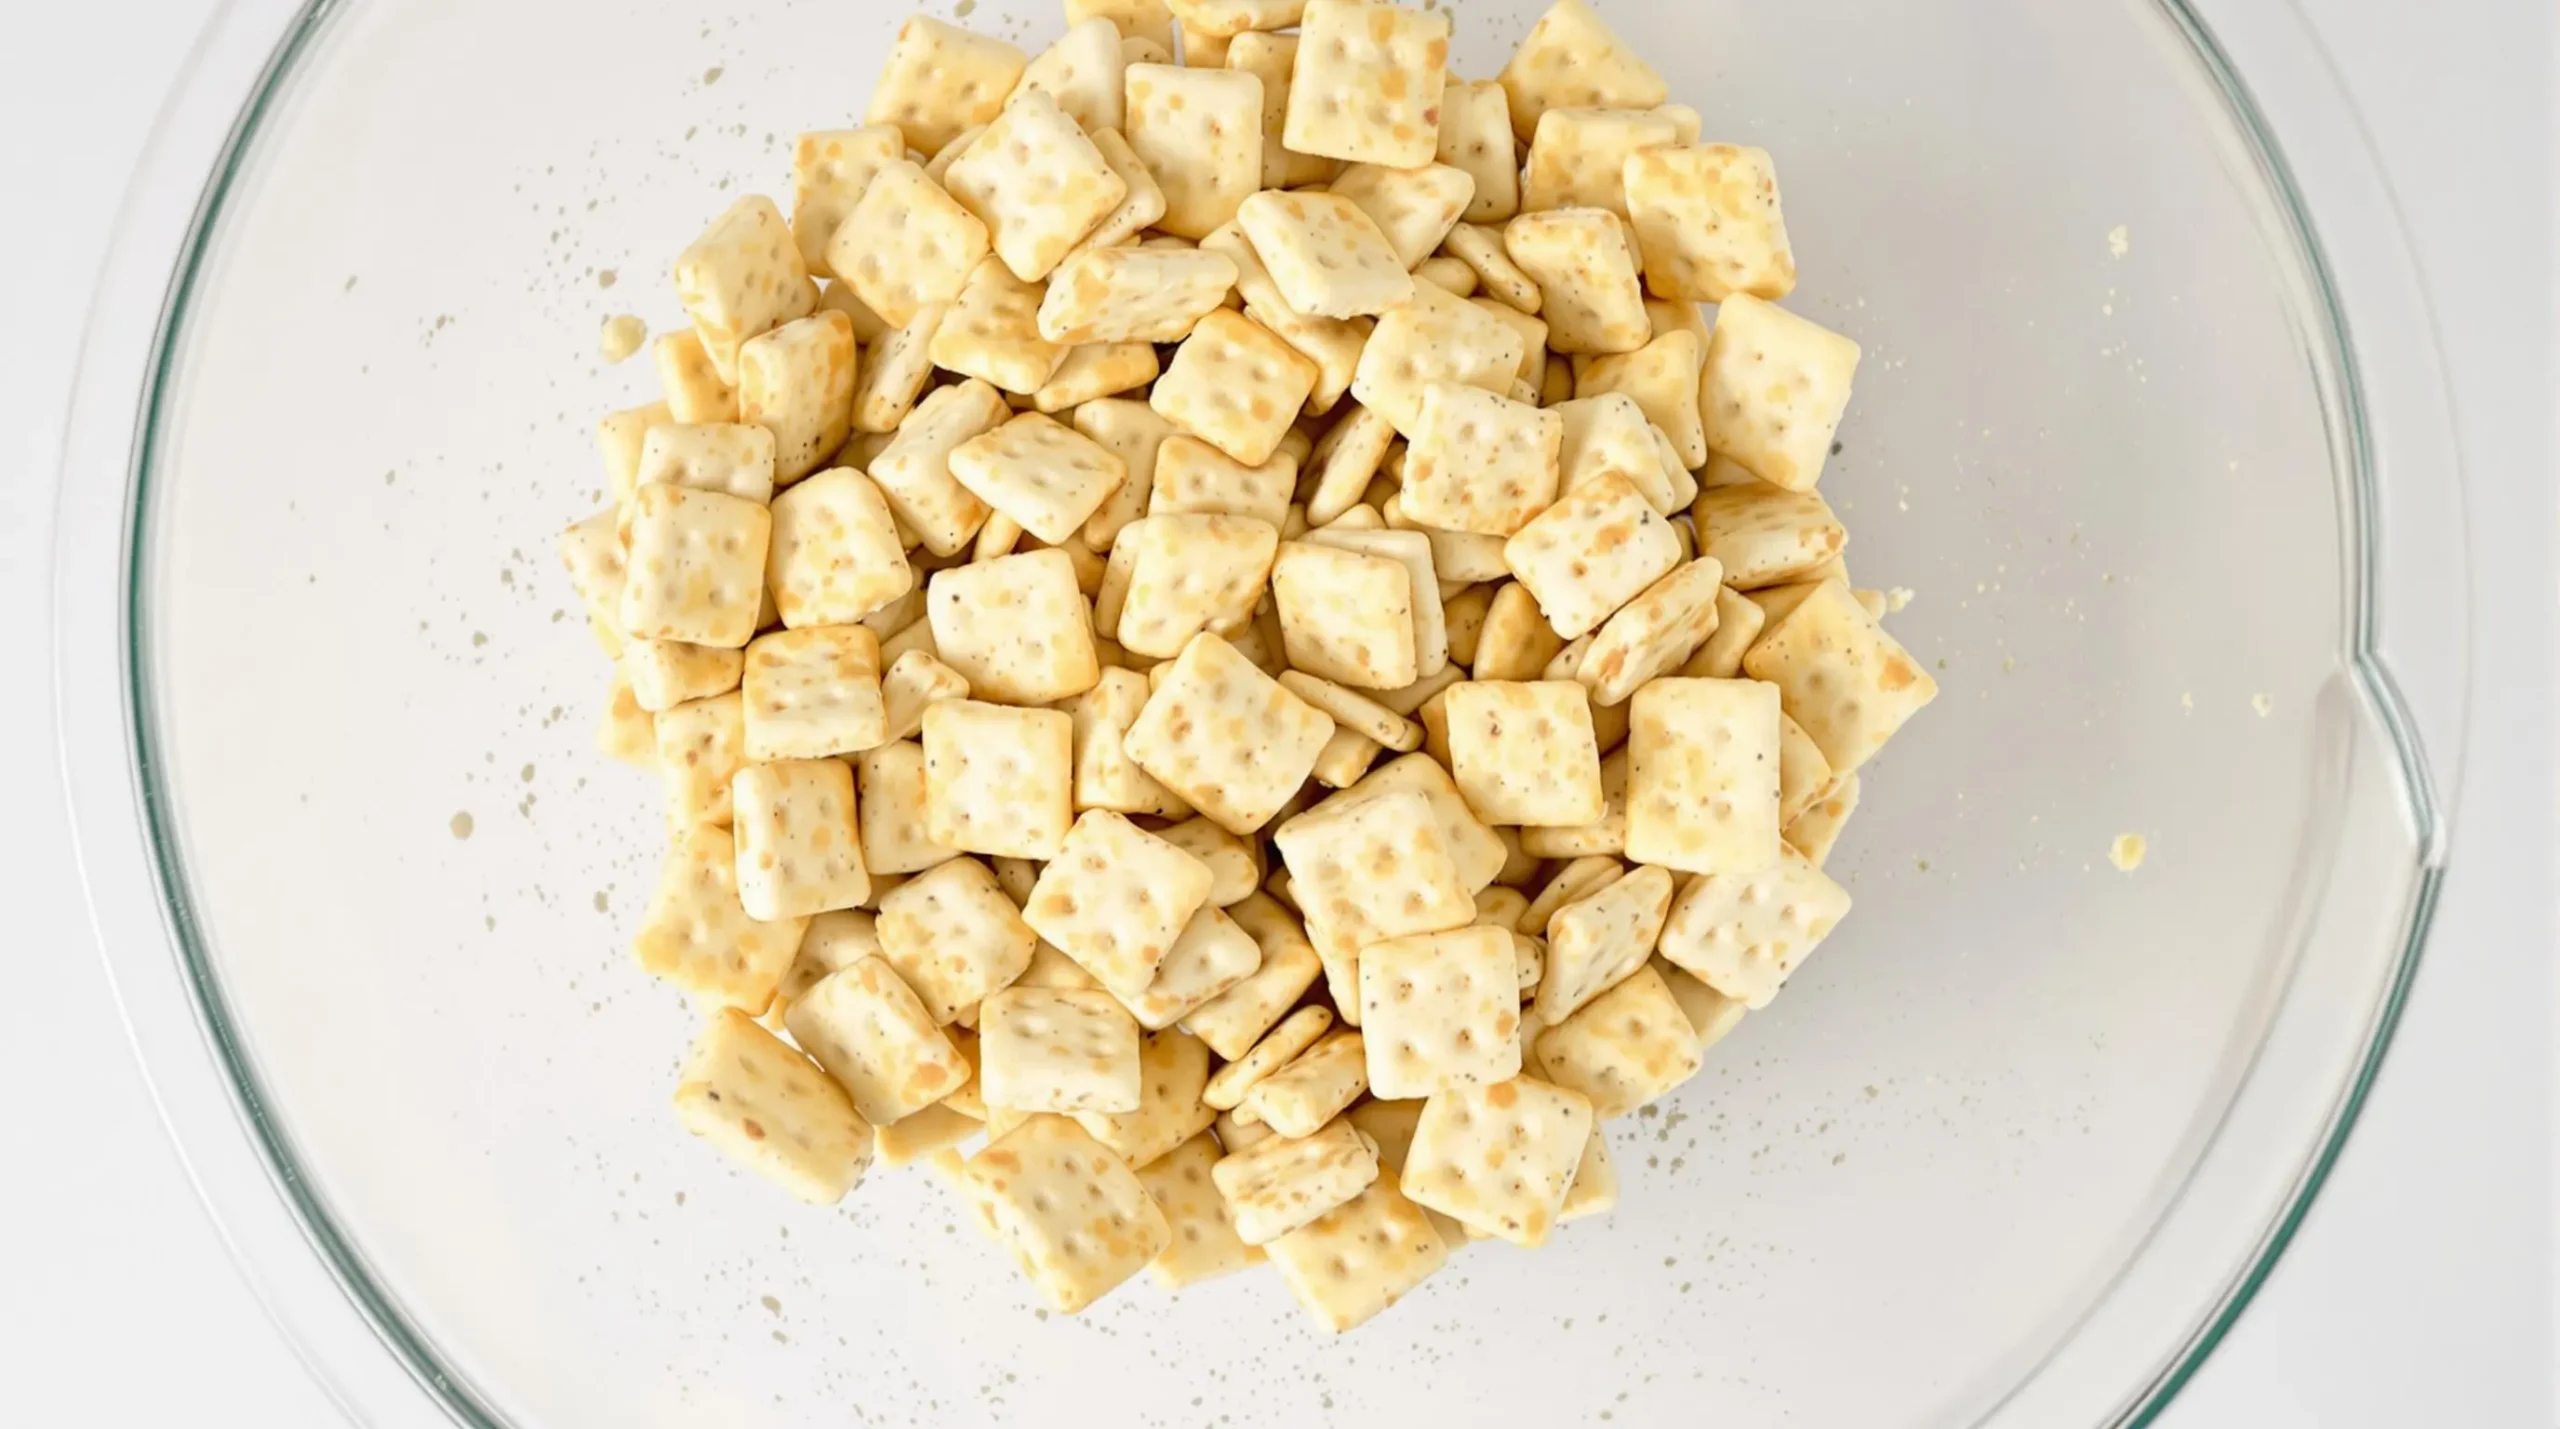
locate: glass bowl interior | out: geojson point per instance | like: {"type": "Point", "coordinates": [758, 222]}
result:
{"type": "Point", "coordinates": [2098, 433]}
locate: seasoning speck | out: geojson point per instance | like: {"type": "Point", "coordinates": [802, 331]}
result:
{"type": "Point", "coordinates": [623, 333]}
{"type": "Point", "coordinates": [462, 826]}
{"type": "Point", "coordinates": [712, 75]}
{"type": "Point", "coordinates": [2126, 852]}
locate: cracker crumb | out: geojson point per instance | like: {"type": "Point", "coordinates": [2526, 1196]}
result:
{"type": "Point", "coordinates": [2127, 851]}
{"type": "Point", "coordinates": [2265, 705]}
{"type": "Point", "coordinates": [461, 826]}
{"type": "Point", "coordinates": [623, 333]}
{"type": "Point", "coordinates": [2119, 241]}
{"type": "Point", "coordinates": [1899, 598]}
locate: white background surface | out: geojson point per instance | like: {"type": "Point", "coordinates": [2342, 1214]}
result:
{"type": "Point", "coordinates": [2420, 1289]}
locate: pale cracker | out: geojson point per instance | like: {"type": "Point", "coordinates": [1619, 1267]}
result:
{"type": "Point", "coordinates": [895, 836]}
{"type": "Point", "coordinates": [1578, 154]}
{"type": "Point", "coordinates": [1272, 59]}
{"type": "Point", "coordinates": [834, 556]}
{"type": "Point", "coordinates": [1817, 829]}
{"type": "Point", "coordinates": [1586, 277]}
{"type": "Point", "coordinates": [923, 1135]}
{"type": "Point", "coordinates": [813, 692]}
{"type": "Point", "coordinates": [1235, 864]}
{"type": "Point", "coordinates": [1325, 254]}
{"type": "Point", "coordinates": [1475, 848]}
{"type": "Point", "coordinates": [1293, 1034]}
{"type": "Point", "coordinates": [834, 941]}
{"type": "Point", "coordinates": [1227, 737]}
{"type": "Point", "coordinates": [868, 327]}
{"type": "Point", "coordinates": [1285, 1182]}
{"type": "Point", "coordinates": [1301, 1098]}
{"type": "Point", "coordinates": [1076, 1217]}
{"type": "Point", "coordinates": [1149, 20]}
{"type": "Point", "coordinates": [874, 1036]}
{"type": "Point", "coordinates": [1708, 222]}
{"type": "Point", "coordinates": [1036, 181]}
{"type": "Point", "coordinates": [698, 935]}
{"type": "Point", "coordinates": [1333, 345]}
{"type": "Point", "coordinates": [1141, 206]}
{"type": "Point", "coordinates": [1710, 1012]}
{"type": "Point", "coordinates": [797, 846]}
{"type": "Point", "coordinates": [1082, 72]}
{"type": "Point", "coordinates": [1352, 710]}
{"type": "Point", "coordinates": [1133, 294]}
{"type": "Point", "coordinates": [1475, 136]}
{"type": "Point", "coordinates": [1199, 131]}
{"type": "Point", "coordinates": [1040, 472]}
{"type": "Point", "coordinates": [1367, 83]}
{"type": "Point", "coordinates": [1767, 535]}
{"type": "Point", "coordinates": [1516, 642]}
{"type": "Point", "coordinates": [1841, 675]}
{"type": "Point", "coordinates": [1500, 907]}
{"type": "Point", "coordinates": [1596, 942]}
{"type": "Point", "coordinates": [694, 566]}
{"type": "Point", "coordinates": [1343, 463]}
{"type": "Point", "coordinates": [1354, 1261]}
{"type": "Point", "coordinates": [1193, 476]}
{"type": "Point", "coordinates": [1235, 1019]}
{"type": "Point", "coordinates": [1607, 834]}
{"type": "Point", "coordinates": [1413, 207]}
{"type": "Point", "coordinates": [1738, 624]}
{"type": "Point", "coordinates": [1096, 369]}
{"type": "Point", "coordinates": [1229, 19]}
{"type": "Point", "coordinates": [742, 277]}
{"type": "Point", "coordinates": [1625, 1048]}
{"type": "Point", "coordinates": [1105, 776]}
{"type": "Point", "coordinates": [998, 780]}
{"type": "Point", "coordinates": [1367, 867]}
{"type": "Point", "coordinates": [992, 331]}
{"type": "Point", "coordinates": [1571, 57]}
{"type": "Point", "coordinates": [1478, 462]}
{"type": "Point", "coordinates": [1499, 1157]}
{"type": "Point", "coordinates": [1235, 385]}
{"type": "Point", "coordinates": [1662, 377]}
{"type": "Point", "coordinates": [701, 743]}
{"type": "Point", "coordinates": [661, 674]}
{"type": "Point", "coordinates": [1211, 956]}
{"type": "Point", "coordinates": [1774, 390]}
{"type": "Point", "coordinates": [1016, 876]}
{"type": "Point", "coordinates": [796, 382]}
{"type": "Point", "coordinates": [1237, 1132]}
{"type": "Point", "coordinates": [893, 371]}
{"type": "Point", "coordinates": [1595, 1181]}
{"type": "Point", "coordinates": [906, 245]}
{"type": "Point", "coordinates": [735, 458]}
{"type": "Point", "coordinates": [1203, 1244]}
{"type": "Point", "coordinates": [1114, 898]}
{"type": "Point", "coordinates": [914, 471]}
{"type": "Point", "coordinates": [1051, 968]}
{"type": "Point", "coordinates": [1200, 49]}
{"type": "Point", "coordinates": [1652, 633]}
{"type": "Point", "coordinates": [1412, 550]}
{"type": "Point", "coordinates": [625, 731]}
{"type": "Point", "coordinates": [941, 79]}
{"type": "Point", "coordinates": [1610, 433]}
{"type": "Point", "coordinates": [696, 392]}
{"type": "Point", "coordinates": [1591, 552]}
{"type": "Point", "coordinates": [1439, 1010]}
{"type": "Point", "coordinates": [1344, 758]}
{"type": "Point", "coordinates": [954, 936]}
{"type": "Point", "coordinates": [1435, 338]}
{"type": "Point", "coordinates": [1803, 774]}
{"type": "Point", "coordinates": [1480, 248]}
{"type": "Point", "coordinates": [1743, 933]}
{"type": "Point", "coordinates": [1449, 274]}
{"type": "Point", "coordinates": [1577, 880]}
{"type": "Point", "coordinates": [1463, 560]}
{"type": "Point", "coordinates": [1702, 776]}
{"type": "Point", "coordinates": [1015, 627]}
{"type": "Point", "coordinates": [771, 1110]}
{"type": "Point", "coordinates": [1131, 431]}
{"type": "Point", "coordinates": [1172, 1068]}
{"type": "Point", "coordinates": [619, 438]}
{"type": "Point", "coordinates": [1523, 752]}
{"type": "Point", "coordinates": [916, 679]}
{"type": "Point", "coordinates": [1189, 573]}
{"type": "Point", "coordinates": [1058, 1049]}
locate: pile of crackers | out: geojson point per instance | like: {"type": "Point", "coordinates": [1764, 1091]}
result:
{"type": "Point", "coordinates": [1227, 634]}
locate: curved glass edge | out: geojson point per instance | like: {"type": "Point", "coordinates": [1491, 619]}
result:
{"type": "Point", "coordinates": [465, 1404]}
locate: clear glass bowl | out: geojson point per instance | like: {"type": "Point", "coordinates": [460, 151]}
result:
{"type": "Point", "coordinates": [2012, 1150]}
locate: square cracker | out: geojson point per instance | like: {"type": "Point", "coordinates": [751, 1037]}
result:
{"type": "Point", "coordinates": [662, 674]}
{"type": "Point", "coordinates": [813, 692]}
{"type": "Point", "coordinates": [1235, 865]}
{"type": "Point", "coordinates": [1364, 867]}
{"type": "Point", "coordinates": [1356, 1260]}
{"type": "Point", "coordinates": [914, 680]}
{"type": "Point", "coordinates": [1172, 1068]}
{"type": "Point", "coordinates": [621, 435]}
{"type": "Point", "coordinates": [1743, 933]}
{"type": "Point", "coordinates": [1412, 550]}
{"type": "Point", "coordinates": [934, 1132]}
{"type": "Point", "coordinates": [694, 566]}
{"type": "Point", "coordinates": [1766, 535]}
{"type": "Point", "coordinates": [1598, 941]}
{"type": "Point", "coordinates": [1036, 182]}
{"type": "Point", "coordinates": [1708, 222]}
{"type": "Point", "coordinates": [1702, 775]}
{"type": "Point", "coordinates": [1499, 1158]}
{"type": "Point", "coordinates": [735, 458]}
{"type": "Point", "coordinates": [1475, 136]}
{"type": "Point", "coordinates": [1325, 254]}
{"type": "Point", "coordinates": [1315, 1087]}
{"type": "Point", "coordinates": [741, 278]}
{"type": "Point", "coordinates": [1211, 956]}
{"type": "Point", "coordinates": [1075, 1216]}
{"type": "Point", "coordinates": [1572, 58]}
{"type": "Point", "coordinates": [953, 936]}
{"type": "Point", "coordinates": [1345, 758]}
{"type": "Point", "coordinates": [1802, 771]}
{"type": "Point", "coordinates": [1331, 345]}
{"type": "Point", "coordinates": [1203, 1244]}
{"type": "Point", "coordinates": [914, 470]}
{"type": "Point", "coordinates": [1096, 369]}
{"type": "Point", "coordinates": [1149, 20]}
{"type": "Point", "coordinates": [799, 852]}
{"type": "Point", "coordinates": [1662, 377]}
{"type": "Point", "coordinates": [1480, 462]}
{"type": "Point", "coordinates": [1235, 1019]}
{"type": "Point", "coordinates": [992, 332]}
{"type": "Point", "coordinates": [1435, 338]}
{"type": "Point", "coordinates": [1476, 849]}
{"type": "Point", "coordinates": [1226, 736]}
{"type": "Point", "coordinates": [1230, 19]}
{"type": "Point", "coordinates": [1586, 277]}
{"type": "Point", "coordinates": [1199, 131]}
{"type": "Point", "coordinates": [1352, 710]}
{"type": "Point", "coordinates": [1115, 898]}
{"type": "Point", "coordinates": [890, 377]}
{"type": "Point", "coordinates": [1041, 472]}
{"type": "Point", "coordinates": [941, 79]}
{"type": "Point", "coordinates": [1106, 778]}
{"type": "Point", "coordinates": [1523, 752]}
{"type": "Point", "coordinates": [1058, 1049]}
{"type": "Point", "coordinates": [1134, 294]}
{"type": "Point", "coordinates": [834, 941]}
{"type": "Point", "coordinates": [1607, 834]}
{"type": "Point", "coordinates": [896, 839]}
{"type": "Point", "coordinates": [1443, 271]}
{"type": "Point", "coordinates": [696, 391]}
{"type": "Point", "coordinates": [1236, 385]}
{"type": "Point", "coordinates": [1272, 59]}
{"type": "Point", "coordinates": [1285, 1182]}
{"type": "Point", "coordinates": [1292, 1035]}
{"type": "Point", "coordinates": [701, 743]}
{"type": "Point", "coordinates": [906, 245]}
{"type": "Point", "coordinates": [1193, 476]}
{"type": "Point", "coordinates": [1578, 154]}
{"type": "Point", "coordinates": [1191, 573]}
{"type": "Point", "coordinates": [872, 1034]}
{"type": "Point", "coordinates": [1082, 72]}
{"type": "Point", "coordinates": [1610, 433]}
{"type": "Point", "coordinates": [834, 555]}
{"type": "Point", "coordinates": [1131, 431]}
{"type": "Point", "coordinates": [796, 383]}
{"type": "Point", "coordinates": [1594, 550]}
{"type": "Point", "coordinates": [1516, 642]}
{"type": "Point", "coordinates": [1652, 633]}
{"type": "Point", "coordinates": [1440, 1010]}
{"type": "Point", "coordinates": [1818, 827]}
{"type": "Point", "coordinates": [771, 1110]}
{"type": "Point", "coordinates": [1774, 390]}
{"type": "Point", "coordinates": [591, 549]}
{"type": "Point", "coordinates": [1142, 206]}
{"type": "Point", "coordinates": [1480, 248]}
{"type": "Point", "coordinates": [1840, 674]}
{"type": "Point", "coordinates": [1367, 83]}
{"type": "Point", "coordinates": [1343, 462]}
{"type": "Point", "coordinates": [1015, 627]}
{"type": "Point", "coordinates": [1415, 208]}
{"type": "Point", "coordinates": [1626, 1047]}
{"type": "Point", "coordinates": [998, 780]}
{"type": "Point", "coordinates": [830, 168]}
{"type": "Point", "coordinates": [698, 935]}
